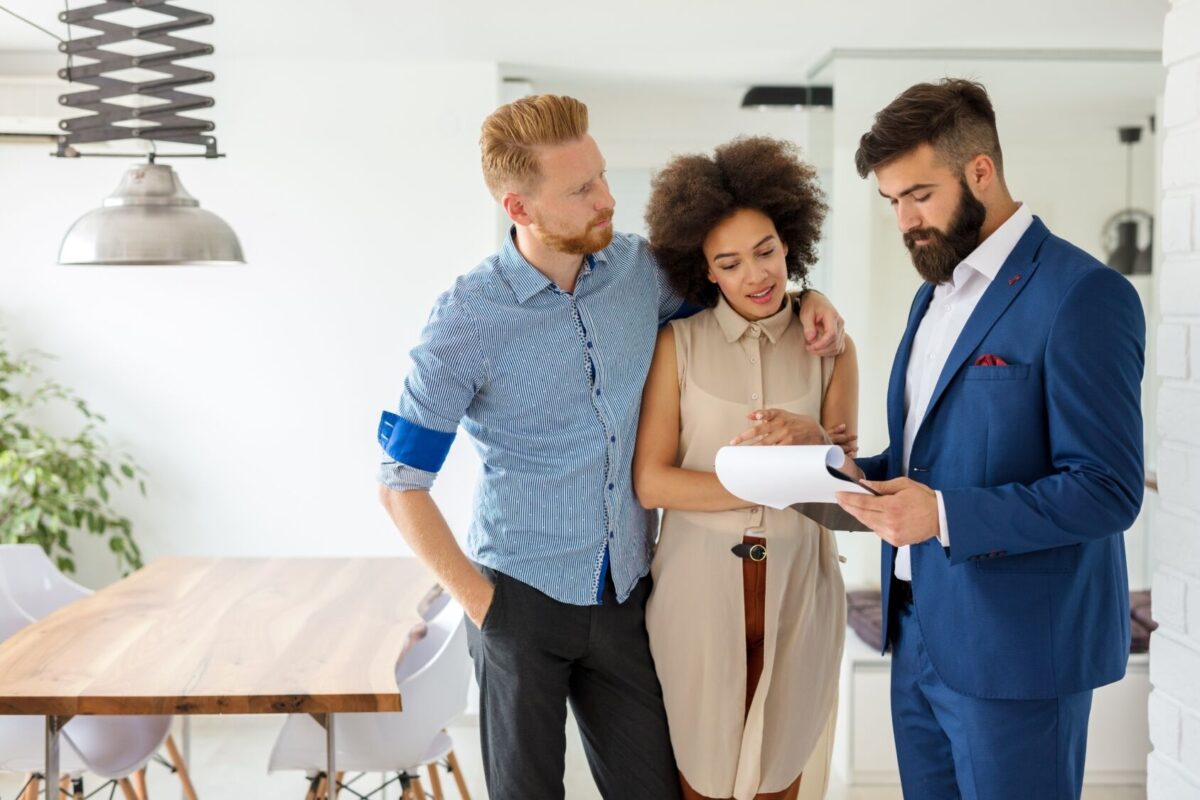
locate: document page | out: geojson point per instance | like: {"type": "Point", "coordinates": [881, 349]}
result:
{"type": "Point", "coordinates": [803, 477]}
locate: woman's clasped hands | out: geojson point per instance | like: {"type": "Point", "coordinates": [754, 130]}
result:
{"type": "Point", "coordinates": [776, 426]}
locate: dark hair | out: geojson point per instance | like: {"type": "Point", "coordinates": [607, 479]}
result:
{"type": "Point", "coordinates": [955, 116]}
{"type": "Point", "coordinates": [694, 193]}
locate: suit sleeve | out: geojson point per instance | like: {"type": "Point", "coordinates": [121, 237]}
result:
{"type": "Point", "coordinates": [875, 467]}
{"type": "Point", "coordinates": [1094, 359]}
{"type": "Point", "coordinates": [879, 468]}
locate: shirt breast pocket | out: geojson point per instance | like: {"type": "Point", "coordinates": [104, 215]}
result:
{"type": "Point", "coordinates": [1006, 372]}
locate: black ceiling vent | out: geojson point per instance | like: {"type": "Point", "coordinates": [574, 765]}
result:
{"type": "Point", "coordinates": [807, 96]}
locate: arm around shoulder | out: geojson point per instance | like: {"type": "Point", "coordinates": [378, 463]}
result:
{"type": "Point", "coordinates": [840, 406]}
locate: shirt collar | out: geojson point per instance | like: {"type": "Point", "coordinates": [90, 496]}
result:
{"type": "Point", "coordinates": [992, 252]}
{"type": "Point", "coordinates": [735, 326]}
{"type": "Point", "coordinates": [527, 280]}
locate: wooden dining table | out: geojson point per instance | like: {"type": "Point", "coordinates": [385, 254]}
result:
{"type": "Point", "coordinates": [187, 635]}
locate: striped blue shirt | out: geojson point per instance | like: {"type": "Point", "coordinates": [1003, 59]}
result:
{"type": "Point", "coordinates": [548, 384]}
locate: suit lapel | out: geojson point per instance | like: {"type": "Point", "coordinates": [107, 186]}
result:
{"type": "Point", "coordinates": [1009, 282]}
{"type": "Point", "coordinates": [899, 377]}
{"type": "Point", "coordinates": [896, 414]}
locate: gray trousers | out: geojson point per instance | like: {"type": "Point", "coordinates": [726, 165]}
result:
{"type": "Point", "coordinates": [533, 656]}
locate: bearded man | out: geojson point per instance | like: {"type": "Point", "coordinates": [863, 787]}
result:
{"type": "Point", "coordinates": [1014, 467]}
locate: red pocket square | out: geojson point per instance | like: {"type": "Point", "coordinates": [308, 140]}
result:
{"type": "Point", "coordinates": [989, 360]}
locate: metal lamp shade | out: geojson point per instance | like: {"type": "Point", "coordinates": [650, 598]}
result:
{"type": "Point", "coordinates": [1123, 257]}
{"type": "Point", "coordinates": [150, 220]}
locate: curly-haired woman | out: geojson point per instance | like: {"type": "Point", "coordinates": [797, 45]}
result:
{"type": "Point", "coordinates": [747, 616]}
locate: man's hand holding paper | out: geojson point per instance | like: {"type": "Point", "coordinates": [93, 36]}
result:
{"type": "Point", "coordinates": [905, 512]}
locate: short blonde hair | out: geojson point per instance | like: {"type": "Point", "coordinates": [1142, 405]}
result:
{"type": "Point", "coordinates": [511, 133]}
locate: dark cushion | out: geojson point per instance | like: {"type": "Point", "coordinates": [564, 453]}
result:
{"type": "Point", "coordinates": [1142, 623]}
{"type": "Point", "coordinates": [864, 616]}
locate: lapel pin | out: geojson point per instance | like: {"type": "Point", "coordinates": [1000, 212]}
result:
{"type": "Point", "coordinates": [1013, 279]}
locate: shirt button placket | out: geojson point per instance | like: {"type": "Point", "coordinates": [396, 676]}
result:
{"type": "Point", "coordinates": [757, 398]}
{"type": "Point", "coordinates": [756, 394]}
{"type": "Point", "coordinates": [594, 378]}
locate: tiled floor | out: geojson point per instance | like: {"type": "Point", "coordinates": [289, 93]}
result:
{"type": "Point", "coordinates": [229, 757]}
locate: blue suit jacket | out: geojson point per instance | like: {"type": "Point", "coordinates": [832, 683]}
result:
{"type": "Point", "coordinates": [1040, 465]}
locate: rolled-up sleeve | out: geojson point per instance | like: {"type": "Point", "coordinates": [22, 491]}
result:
{"type": "Point", "coordinates": [404, 478]}
{"type": "Point", "coordinates": [449, 369]}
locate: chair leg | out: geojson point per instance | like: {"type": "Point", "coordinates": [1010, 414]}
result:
{"type": "Point", "coordinates": [418, 787]}
{"type": "Point", "coordinates": [459, 780]}
{"type": "Point", "coordinates": [78, 795]}
{"type": "Point", "coordinates": [181, 768]}
{"type": "Point", "coordinates": [321, 787]}
{"type": "Point", "coordinates": [32, 788]}
{"type": "Point", "coordinates": [139, 784]}
{"type": "Point", "coordinates": [127, 789]}
{"type": "Point", "coordinates": [435, 781]}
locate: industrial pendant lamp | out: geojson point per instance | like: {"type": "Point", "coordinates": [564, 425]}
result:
{"type": "Point", "coordinates": [1122, 231]}
{"type": "Point", "coordinates": [150, 220]}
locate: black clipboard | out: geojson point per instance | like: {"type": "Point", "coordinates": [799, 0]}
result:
{"type": "Point", "coordinates": [831, 515]}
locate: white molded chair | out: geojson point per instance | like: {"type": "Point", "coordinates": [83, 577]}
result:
{"type": "Point", "coordinates": [433, 677]}
{"type": "Point", "coordinates": [113, 747]}
{"type": "Point", "coordinates": [34, 582]}
{"type": "Point", "coordinates": [22, 738]}
{"type": "Point", "coordinates": [433, 602]}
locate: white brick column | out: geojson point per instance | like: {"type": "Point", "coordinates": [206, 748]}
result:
{"type": "Point", "coordinates": [1173, 768]}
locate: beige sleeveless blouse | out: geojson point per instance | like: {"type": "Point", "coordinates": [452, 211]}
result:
{"type": "Point", "coordinates": [728, 367]}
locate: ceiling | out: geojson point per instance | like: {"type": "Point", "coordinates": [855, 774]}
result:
{"type": "Point", "coordinates": [677, 41]}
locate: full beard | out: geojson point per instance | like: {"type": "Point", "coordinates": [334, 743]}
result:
{"type": "Point", "coordinates": [589, 241]}
{"type": "Point", "coordinates": [942, 252]}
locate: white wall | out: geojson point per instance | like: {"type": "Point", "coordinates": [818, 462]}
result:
{"type": "Point", "coordinates": [641, 127]}
{"type": "Point", "coordinates": [251, 394]}
{"type": "Point", "coordinates": [1173, 769]}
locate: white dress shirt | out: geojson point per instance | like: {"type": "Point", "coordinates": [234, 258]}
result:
{"type": "Point", "coordinates": [936, 335]}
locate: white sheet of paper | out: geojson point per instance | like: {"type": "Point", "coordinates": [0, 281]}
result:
{"type": "Point", "coordinates": [780, 475]}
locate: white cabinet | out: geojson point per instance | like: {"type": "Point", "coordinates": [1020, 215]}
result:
{"type": "Point", "coordinates": [865, 754]}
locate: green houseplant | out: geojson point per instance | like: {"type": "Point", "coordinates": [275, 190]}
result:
{"type": "Point", "coordinates": [53, 486]}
